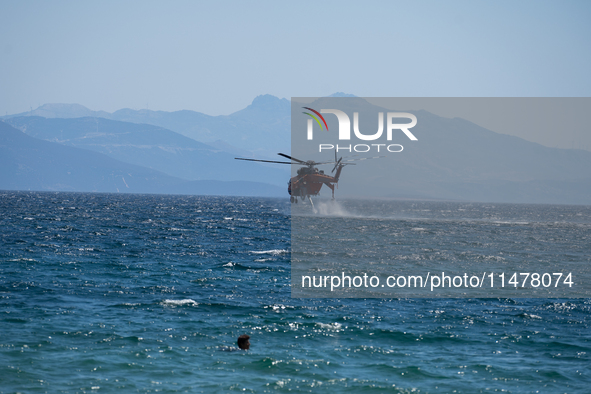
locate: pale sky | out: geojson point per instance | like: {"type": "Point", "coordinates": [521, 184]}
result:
{"type": "Point", "coordinates": [215, 57]}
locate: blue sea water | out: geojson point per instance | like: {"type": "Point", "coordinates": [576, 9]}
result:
{"type": "Point", "coordinates": [145, 293]}
{"type": "Point", "coordinates": [485, 250]}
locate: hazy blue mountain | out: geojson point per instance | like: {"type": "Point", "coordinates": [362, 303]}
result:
{"type": "Point", "coordinates": [56, 110]}
{"type": "Point", "coordinates": [341, 94]}
{"type": "Point", "coordinates": [459, 160]}
{"type": "Point", "coordinates": [263, 128]}
{"type": "Point", "coordinates": [149, 146]}
{"type": "Point", "coordinates": [29, 163]}
{"type": "Point", "coordinates": [452, 159]}
{"type": "Point", "coordinates": [260, 130]}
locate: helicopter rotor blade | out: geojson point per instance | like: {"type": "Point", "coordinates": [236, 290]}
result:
{"type": "Point", "coordinates": [365, 158]}
{"type": "Point", "coordinates": [265, 161]}
{"type": "Point", "coordinates": [292, 158]}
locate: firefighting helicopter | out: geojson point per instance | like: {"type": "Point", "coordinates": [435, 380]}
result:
{"type": "Point", "coordinates": [309, 179]}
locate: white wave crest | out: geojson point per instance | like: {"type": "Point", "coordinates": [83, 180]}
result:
{"type": "Point", "coordinates": [330, 326]}
{"type": "Point", "coordinates": [273, 252]}
{"type": "Point", "coordinates": [186, 301]}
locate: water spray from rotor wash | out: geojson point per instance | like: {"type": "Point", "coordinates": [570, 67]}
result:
{"type": "Point", "coordinates": [331, 208]}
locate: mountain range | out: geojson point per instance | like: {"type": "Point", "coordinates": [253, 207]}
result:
{"type": "Point", "coordinates": [173, 152]}
{"type": "Point", "coordinates": [452, 159]}
{"type": "Point", "coordinates": [261, 129]}
{"type": "Point", "coordinates": [148, 146]}
{"type": "Point", "coordinates": [33, 164]}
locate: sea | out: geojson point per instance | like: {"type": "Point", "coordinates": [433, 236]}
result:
{"type": "Point", "coordinates": [121, 293]}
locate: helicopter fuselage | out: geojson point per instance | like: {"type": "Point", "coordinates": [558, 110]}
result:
{"type": "Point", "coordinates": [309, 181]}
{"type": "Point", "coordinates": [309, 178]}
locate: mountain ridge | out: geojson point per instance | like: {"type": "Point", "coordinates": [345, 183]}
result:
{"type": "Point", "coordinates": [148, 146]}
{"type": "Point", "coordinates": [452, 159]}
{"type": "Point", "coordinates": [240, 129]}
{"type": "Point", "coordinates": [29, 163]}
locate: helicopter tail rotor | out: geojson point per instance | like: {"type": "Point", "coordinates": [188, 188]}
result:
{"type": "Point", "coordinates": [337, 163]}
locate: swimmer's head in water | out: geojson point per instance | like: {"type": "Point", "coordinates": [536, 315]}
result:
{"type": "Point", "coordinates": [243, 342]}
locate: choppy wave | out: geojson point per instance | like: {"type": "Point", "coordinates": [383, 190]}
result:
{"type": "Point", "coordinates": [187, 301]}
{"type": "Point", "coordinates": [273, 252]}
{"type": "Point", "coordinates": [169, 281]}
